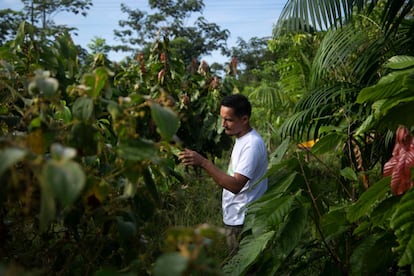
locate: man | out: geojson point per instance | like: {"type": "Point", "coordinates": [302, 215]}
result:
{"type": "Point", "coordinates": [248, 164]}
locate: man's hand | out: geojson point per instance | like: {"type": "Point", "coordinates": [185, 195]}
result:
{"type": "Point", "coordinates": [190, 157]}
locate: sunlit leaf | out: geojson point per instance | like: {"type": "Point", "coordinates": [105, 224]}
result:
{"type": "Point", "coordinates": [101, 77]}
{"type": "Point", "coordinates": [400, 62]}
{"type": "Point", "coordinates": [65, 114]}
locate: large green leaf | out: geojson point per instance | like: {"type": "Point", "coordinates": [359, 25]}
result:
{"type": "Point", "coordinates": [138, 150]}
{"type": "Point", "coordinates": [402, 222]}
{"type": "Point", "coordinates": [83, 108]}
{"type": "Point", "coordinates": [308, 15]}
{"type": "Point", "coordinates": [369, 199]}
{"type": "Point", "coordinates": [250, 249]}
{"type": "Point", "coordinates": [400, 62]}
{"type": "Point", "coordinates": [171, 264]}
{"type": "Point", "coordinates": [329, 143]}
{"type": "Point", "coordinates": [280, 152]}
{"type": "Point", "coordinates": [334, 223]}
{"type": "Point", "coordinates": [269, 212]}
{"type": "Point", "coordinates": [166, 121]}
{"type": "Point", "coordinates": [9, 157]}
{"type": "Point", "coordinates": [64, 179]}
{"type": "Point", "coordinates": [372, 255]}
{"type": "Point", "coordinates": [388, 86]}
{"type": "Point", "coordinates": [291, 233]}
{"type": "Point", "coordinates": [95, 82]}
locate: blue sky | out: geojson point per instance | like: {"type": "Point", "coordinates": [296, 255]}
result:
{"type": "Point", "coordinates": [243, 18]}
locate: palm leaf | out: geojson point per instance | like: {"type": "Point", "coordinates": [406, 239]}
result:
{"type": "Point", "coordinates": [308, 15]}
{"type": "Point", "coordinates": [351, 54]}
{"type": "Point", "coordinates": [317, 109]}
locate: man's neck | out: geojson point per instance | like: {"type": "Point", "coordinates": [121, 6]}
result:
{"type": "Point", "coordinates": [244, 132]}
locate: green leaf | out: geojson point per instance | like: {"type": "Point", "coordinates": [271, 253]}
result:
{"type": "Point", "coordinates": [138, 150]}
{"type": "Point", "coordinates": [64, 179]}
{"type": "Point", "coordinates": [388, 86]}
{"type": "Point", "coordinates": [349, 174]}
{"type": "Point", "coordinates": [369, 200]}
{"type": "Point", "coordinates": [269, 211]}
{"type": "Point", "coordinates": [149, 182]}
{"type": "Point", "coordinates": [400, 62]}
{"type": "Point", "coordinates": [250, 249]}
{"type": "Point", "coordinates": [334, 223]}
{"type": "Point", "coordinates": [292, 232]}
{"type": "Point", "coordinates": [65, 115]}
{"type": "Point", "coordinates": [166, 120]}
{"type": "Point", "coordinates": [372, 254]}
{"type": "Point", "coordinates": [281, 150]}
{"type": "Point", "coordinates": [101, 77]}
{"type": "Point", "coordinates": [402, 222]}
{"type": "Point", "coordinates": [170, 264]}
{"type": "Point", "coordinates": [9, 157]}
{"type": "Point", "coordinates": [83, 108]}
{"type": "Point", "coordinates": [328, 143]}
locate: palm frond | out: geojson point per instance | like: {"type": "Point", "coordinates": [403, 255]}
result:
{"type": "Point", "coordinates": [352, 54]}
{"type": "Point", "coordinates": [321, 15]}
{"type": "Point", "coordinates": [318, 108]}
{"type": "Point", "coordinates": [309, 15]}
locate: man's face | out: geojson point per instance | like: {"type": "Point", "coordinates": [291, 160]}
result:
{"type": "Point", "coordinates": [232, 124]}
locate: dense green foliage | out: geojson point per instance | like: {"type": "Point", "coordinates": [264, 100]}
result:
{"type": "Point", "coordinates": [90, 181]}
{"type": "Point", "coordinates": [330, 210]}
{"type": "Point", "coordinates": [88, 156]}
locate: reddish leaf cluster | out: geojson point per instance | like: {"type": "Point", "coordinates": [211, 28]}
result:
{"type": "Point", "coordinates": [401, 161]}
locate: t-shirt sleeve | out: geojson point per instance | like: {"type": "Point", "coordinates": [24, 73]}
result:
{"type": "Point", "coordinates": [248, 161]}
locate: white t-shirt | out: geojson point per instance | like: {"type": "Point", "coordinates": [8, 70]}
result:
{"type": "Point", "coordinates": [248, 158]}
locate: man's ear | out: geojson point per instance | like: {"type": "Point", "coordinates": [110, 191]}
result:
{"type": "Point", "coordinates": [245, 119]}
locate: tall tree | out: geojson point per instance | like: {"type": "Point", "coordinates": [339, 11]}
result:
{"type": "Point", "coordinates": [42, 11]}
{"type": "Point", "coordinates": [172, 19]}
{"type": "Point", "coordinates": [9, 22]}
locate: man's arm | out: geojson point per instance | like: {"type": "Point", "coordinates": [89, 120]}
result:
{"type": "Point", "coordinates": [232, 183]}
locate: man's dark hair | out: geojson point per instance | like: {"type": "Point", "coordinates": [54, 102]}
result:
{"type": "Point", "coordinates": [239, 103]}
